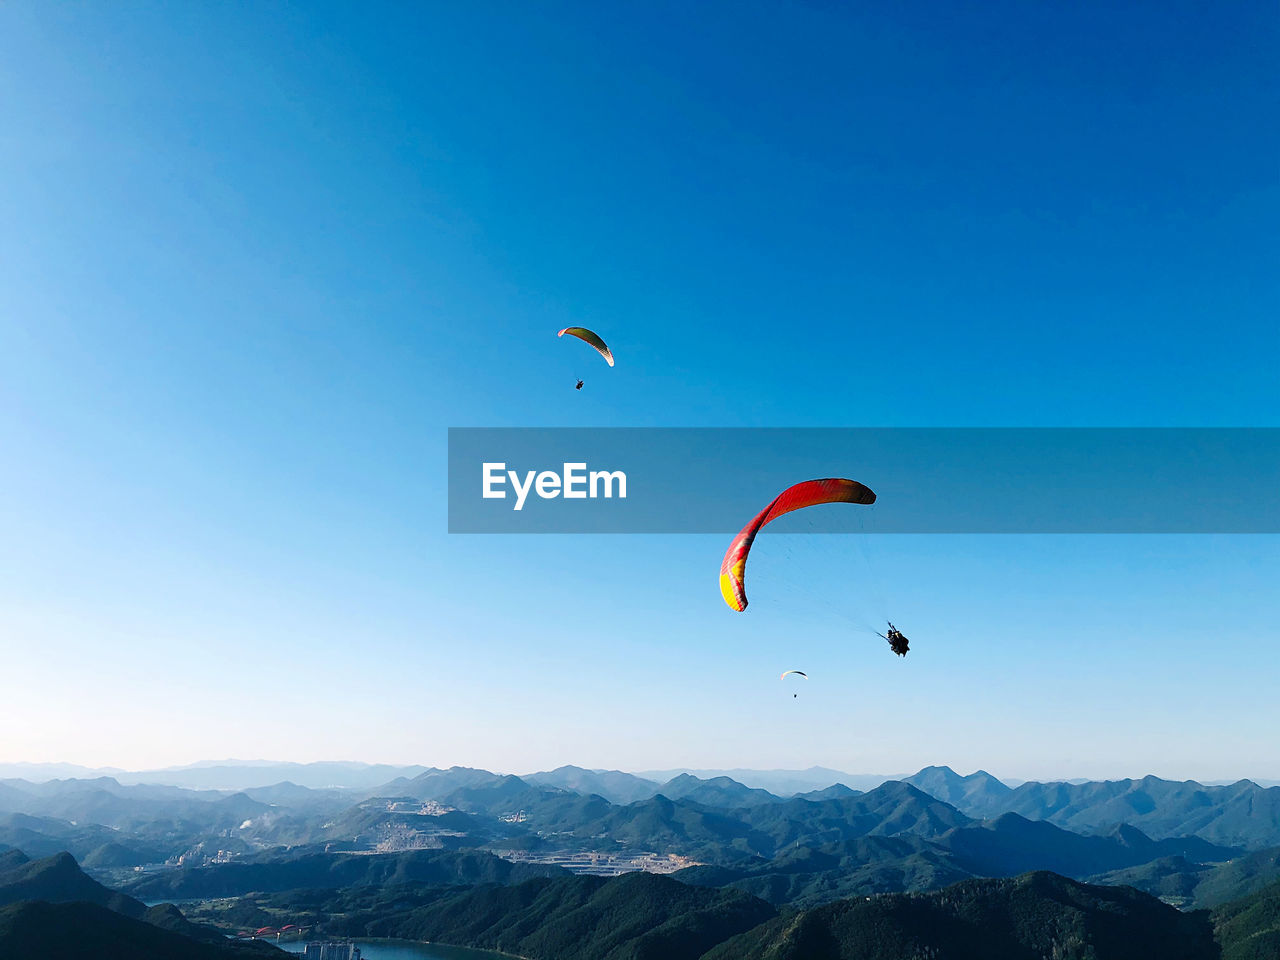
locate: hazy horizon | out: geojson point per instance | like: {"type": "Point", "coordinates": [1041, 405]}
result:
{"type": "Point", "coordinates": [13, 768]}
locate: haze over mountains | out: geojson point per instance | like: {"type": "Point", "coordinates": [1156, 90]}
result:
{"type": "Point", "coordinates": [355, 775]}
{"type": "Point", "coordinates": [225, 774]}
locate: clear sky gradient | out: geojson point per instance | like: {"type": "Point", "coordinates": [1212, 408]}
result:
{"type": "Point", "coordinates": [256, 258]}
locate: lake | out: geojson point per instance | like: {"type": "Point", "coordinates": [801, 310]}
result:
{"type": "Point", "coordinates": [408, 950]}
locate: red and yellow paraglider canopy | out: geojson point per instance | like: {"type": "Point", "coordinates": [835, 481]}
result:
{"type": "Point", "coordinates": [807, 494]}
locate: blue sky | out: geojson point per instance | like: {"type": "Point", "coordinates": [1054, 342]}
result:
{"type": "Point", "coordinates": [255, 260]}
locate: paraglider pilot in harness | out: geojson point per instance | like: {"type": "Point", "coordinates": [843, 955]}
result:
{"type": "Point", "coordinates": [579, 386]}
{"type": "Point", "coordinates": [897, 642]}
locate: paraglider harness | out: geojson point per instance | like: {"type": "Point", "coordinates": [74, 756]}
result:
{"type": "Point", "coordinates": [897, 642]}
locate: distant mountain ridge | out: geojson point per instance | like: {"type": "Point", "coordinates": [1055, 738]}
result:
{"type": "Point", "coordinates": [1239, 814]}
{"type": "Point", "coordinates": [230, 775]}
{"type": "Point", "coordinates": [233, 775]}
{"type": "Point", "coordinates": [715, 792]}
{"type": "Point", "coordinates": [614, 785]}
{"type": "Point", "coordinates": [783, 783]}
{"type": "Point", "coordinates": [979, 791]}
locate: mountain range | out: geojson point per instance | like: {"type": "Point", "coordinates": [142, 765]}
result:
{"type": "Point", "coordinates": [932, 828]}
{"type": "Point", "coordinates": [1242, 813]}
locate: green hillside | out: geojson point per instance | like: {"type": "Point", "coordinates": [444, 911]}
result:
{"type": "Point", "coordinates": [1249, 928]}
{"type": "Point", "coordinates": [79, 931]}
{"type": "Point", "coordinates": [1031, 917]}
{"type": "Point", "coordinates": [634, 916]}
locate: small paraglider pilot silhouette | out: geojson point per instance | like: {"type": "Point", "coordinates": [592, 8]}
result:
{"type": "Point", "coordinates": [579, 386]}
{"type": "Point", "coordinates": [897, 642]}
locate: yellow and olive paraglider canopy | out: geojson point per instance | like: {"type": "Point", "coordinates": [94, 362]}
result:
{"type": "Point", "coordinates": [589, 336]}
